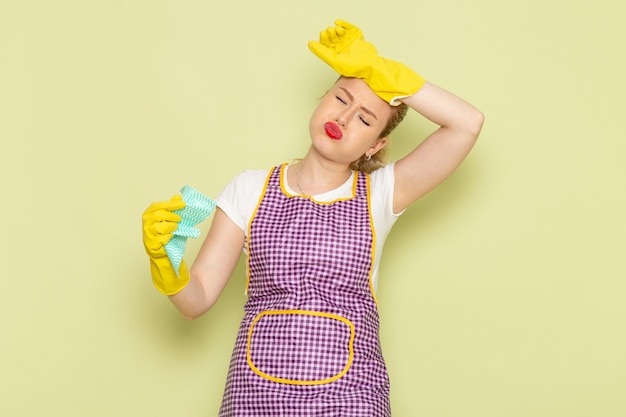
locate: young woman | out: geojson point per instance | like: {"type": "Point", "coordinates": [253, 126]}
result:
{"type": "Point", "coordinates": [313, 232]}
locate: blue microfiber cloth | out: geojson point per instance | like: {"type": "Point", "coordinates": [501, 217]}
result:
{"type": "Point", "coordinates": [198, 207]}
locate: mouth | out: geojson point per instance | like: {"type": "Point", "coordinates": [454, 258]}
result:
{"type": "Point", "coordinates": [333, 131]}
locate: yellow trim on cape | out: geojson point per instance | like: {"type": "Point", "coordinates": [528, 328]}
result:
{"type": "Point", "coordinates": [267, 180]}
{"type": "Point", "coordinates": [373, 248]}
{"type": "Point", "coordinates": [283, 188]}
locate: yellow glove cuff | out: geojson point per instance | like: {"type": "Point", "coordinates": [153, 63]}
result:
{"type": "Point", "coordinates": [395, 82]}
{"type": "Point", "coordinates": [164, 277]}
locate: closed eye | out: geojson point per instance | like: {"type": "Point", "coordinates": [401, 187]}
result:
{"type": "Point", "coordinates": [364, 121]}
{"type": "Point", "coordinates": [342, 100]}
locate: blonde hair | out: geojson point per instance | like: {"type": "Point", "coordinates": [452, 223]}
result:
{"type": "Point", "coordinates": [378, 160]}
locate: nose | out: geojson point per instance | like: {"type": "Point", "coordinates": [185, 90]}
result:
{"type": "Point", "coordinates": [343, 117]}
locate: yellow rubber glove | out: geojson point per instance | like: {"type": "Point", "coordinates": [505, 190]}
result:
{"type": "Point", "coordinates": [346, 51]}
{"type": "Point", "coordinates": [159, 222]}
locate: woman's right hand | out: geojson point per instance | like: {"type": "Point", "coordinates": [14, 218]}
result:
{"type": "Point", "coordinates": [159, 224]}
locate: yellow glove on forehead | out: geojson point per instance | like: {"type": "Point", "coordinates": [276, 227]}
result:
{"type": "Point", "coordinates": [341, 35]}
{"type": "Point", "coordinates": [344, 48]}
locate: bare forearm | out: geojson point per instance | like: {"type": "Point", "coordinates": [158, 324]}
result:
{"type": "Point", "coordinates": [436, 157]}
{"type": "Point", "coordinates": [446, 109]}
{"type": "Point", "coordinates": [212, 268]}
{"type": "Point", "coordinates": [191, 301]}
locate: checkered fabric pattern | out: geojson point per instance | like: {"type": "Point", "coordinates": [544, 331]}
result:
{"type": "Point", "coordinates": [308, 343]}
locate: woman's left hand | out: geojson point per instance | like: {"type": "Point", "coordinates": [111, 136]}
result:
{"type": "Point", "coordinates": [344, 48]}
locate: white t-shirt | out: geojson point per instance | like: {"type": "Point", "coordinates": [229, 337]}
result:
{"type": "Point", "coordinates": [241, 196]}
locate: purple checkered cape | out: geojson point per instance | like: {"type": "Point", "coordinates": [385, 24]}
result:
{"type": "Point", "coordinates": [308, 343]}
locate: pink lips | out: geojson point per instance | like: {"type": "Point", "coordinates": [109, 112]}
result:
{"type": "Point", "coordinates": [333, 131]}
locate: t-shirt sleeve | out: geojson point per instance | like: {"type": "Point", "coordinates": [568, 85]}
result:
{"type": "Point", "coordinates": [383, 183]}
{"type": "Point", "coordinates": [240, 197]}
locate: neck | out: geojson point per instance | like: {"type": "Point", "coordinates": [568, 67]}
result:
{"type": "Point", "coordinates": [311, 177]}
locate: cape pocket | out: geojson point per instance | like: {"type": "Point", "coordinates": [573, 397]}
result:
{"type": "Point", "coordinates": [300, 347]}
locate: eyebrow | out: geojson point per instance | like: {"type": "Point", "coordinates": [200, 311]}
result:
{"type": "Point", "coordinates": [365, 109]}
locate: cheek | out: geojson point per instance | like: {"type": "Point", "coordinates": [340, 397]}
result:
{"type": "Point", "coordinates": [364, 141]}
{"type": "Point", "coordinates": [369, 134]}
{"type": "Point", "coordinates": [321, 112]}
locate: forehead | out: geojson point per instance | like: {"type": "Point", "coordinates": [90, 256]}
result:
{"type": "Point", "coordinates": [364, 94]}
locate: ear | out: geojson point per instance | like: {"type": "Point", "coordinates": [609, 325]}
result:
{"type": "Point", "coordinates": [380, 143]}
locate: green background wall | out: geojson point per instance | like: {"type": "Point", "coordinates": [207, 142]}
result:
{"type": "Point", "coordinates": [502, 293]}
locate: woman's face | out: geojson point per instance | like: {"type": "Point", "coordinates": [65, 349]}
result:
{"type": "Point", "coordinates": [348, 121]}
